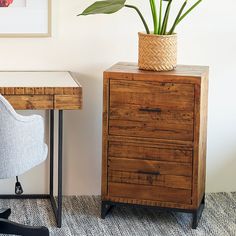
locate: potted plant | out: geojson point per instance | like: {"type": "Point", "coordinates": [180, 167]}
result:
{"type": "Point", "coordinates": [157, 48]}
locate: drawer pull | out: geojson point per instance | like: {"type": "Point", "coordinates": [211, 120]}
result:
{"type": "Point", "coordinates": [150, 109]}
{"type": "Point", "coordinates": [149, 173]}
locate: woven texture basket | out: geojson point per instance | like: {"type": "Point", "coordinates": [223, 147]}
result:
{"type": "Point", "coordinates": [157, 52]}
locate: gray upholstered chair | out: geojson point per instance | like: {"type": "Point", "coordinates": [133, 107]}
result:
{"type": "Point", "coordinates": [22, 147]}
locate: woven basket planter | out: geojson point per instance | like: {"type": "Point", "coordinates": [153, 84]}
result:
{"type": "Point", "coordinates": [157, 52]}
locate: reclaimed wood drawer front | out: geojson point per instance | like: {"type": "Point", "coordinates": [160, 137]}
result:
{"type": "Point", "coordinates": [162, 173]}
{"type": "Point", "coordinates": [150, 167]}
{"type": "Point", "coordinates": [23, 102]}
{"type": "Point", "coordinates": [171, 181]}
{"type": "Point", "coordinates": [145, 192]}
{"type": "Point", "coordinates": [135, 151]}
{"type": "Point", "coordinates": [67, 102]}
{"type": "Point", "coordinates": [151, 109]}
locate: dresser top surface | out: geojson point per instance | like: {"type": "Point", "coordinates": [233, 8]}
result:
{"type": "Point", "coordinates": [181, 70]}
{"type": "Point", "coordinates": [38, 79]}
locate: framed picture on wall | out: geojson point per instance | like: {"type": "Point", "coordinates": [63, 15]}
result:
{"type": "Point", "coordinates": [25, 18]}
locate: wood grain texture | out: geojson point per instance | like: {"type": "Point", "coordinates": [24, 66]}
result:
{"type": "Point", "coordinates": [182, 73]}
{"type": "Point", "coordinates": [171, 181]}
{"type": "Point", "coordinates": [67, 102]}
{"type": "Point", "coordinates": [32, 102]}
{"type": "Point", "coordinates": [148, 114]}
{"type": "Point", "coordinates": [40, 90]}
{"type": "Point", "coordinates": [203, 139]}
{"type": "Point", "coordinates": [104, 186]}
{"type": "Point", "coordinates": [151, 109]}
{"type": "Point", "coordinates": [137, 201]}
{"type": "Point", "coordinates": [153, 129]}
{"type": "Point", "coordinates": [154, 144]}
{"type": "Point", "coordinates": [151, 142]}
{"type": "Point", "coordinates": [124, 150]}
{"type": "Point", "coordinates": [200, 144]}
{"type": "Point", "coordinates": [140, 166]}
{"type": "Point", "coordinates": [145, 192]}
{"type": "Point", "coordinates": [153, 94]}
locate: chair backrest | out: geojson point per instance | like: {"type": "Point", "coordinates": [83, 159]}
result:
{"type": "Point", "coordinates": [22, 144]}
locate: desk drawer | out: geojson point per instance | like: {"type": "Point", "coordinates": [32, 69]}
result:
{"type": "Point", "coordinates": [23, 102]}
{"type": "Point", "coordinates": [151, 109]}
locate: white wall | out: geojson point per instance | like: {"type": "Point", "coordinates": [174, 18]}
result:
{"type": "Point", "coordinates": [88, 45]}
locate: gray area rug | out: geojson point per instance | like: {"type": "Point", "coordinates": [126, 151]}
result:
{"type": "Point", "coordinates": [81, 216]}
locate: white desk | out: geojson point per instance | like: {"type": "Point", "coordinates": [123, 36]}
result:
{"type": "Point", "coordinates": [41, 90]}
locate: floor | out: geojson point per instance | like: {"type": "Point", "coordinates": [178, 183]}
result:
{"type": "Point", "coordinates": [81, 216]}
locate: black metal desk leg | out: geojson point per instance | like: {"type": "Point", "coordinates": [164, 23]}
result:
{"type": "Point", "coordinates": [51, 151]}
{"type": "Point", "coordinates": [60, 144]}
{"type": "Point", "coordinates": [57, 208]}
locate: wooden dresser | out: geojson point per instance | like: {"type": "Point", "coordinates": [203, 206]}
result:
{"type": "Point", "coordinates": [154, 138]}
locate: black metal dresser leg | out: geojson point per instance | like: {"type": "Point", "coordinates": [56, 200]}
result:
{"type": "Point", "coordinates": [198, 213]}
{"type": "Point", "coordinates": [105, 209]}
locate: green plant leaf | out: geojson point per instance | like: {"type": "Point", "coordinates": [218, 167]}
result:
{"type": "Point", "coordinates": [189, 10]}
{"type": "Point", "coordinates": [160, 16]}
{"type": "Point", "coordinates": [177, 18]}
{"type": "Point", "coordinates": [166, 18]}
{"type": "Point", "coordinates": [154, 15]}
{"type": "Point", "coordinates": [141, 17]}
{"type": "Point", "coordinates": [104, 7]}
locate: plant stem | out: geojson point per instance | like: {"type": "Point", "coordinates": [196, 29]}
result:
{"type": "Point", "coordinates": [177, 18]}
{"type": "Point", "coordinates": [152, 10]}
{"type": "Point", "coordinates": [154, 16]}
{"type": "Point", "coordinates": [160, 17]}
{"type": "Point", "coordinates": [166, 17]}
{"type": "Point", "coordinates": [188, 11]}
{"type": "Point", "coordinates": [141, 16]}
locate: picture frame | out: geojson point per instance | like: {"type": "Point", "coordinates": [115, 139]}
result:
{"type": "Point", "coordinates": [26, 19]}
